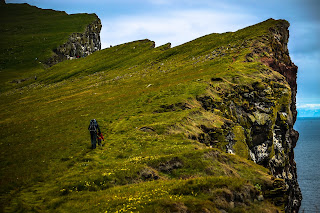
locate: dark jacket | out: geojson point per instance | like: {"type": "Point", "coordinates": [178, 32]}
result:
{"type": "Point", "coordinates": [94, 127]}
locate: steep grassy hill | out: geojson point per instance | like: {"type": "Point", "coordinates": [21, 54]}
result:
{"type": "Point", "coordinates": [27, 37]}
{"type": "Point", "coordinates": [181, 125]}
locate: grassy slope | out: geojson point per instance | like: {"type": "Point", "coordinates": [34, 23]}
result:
{"type": "Point", "coordinates": [28, 36]}
{"type": "Point", "coordinates": [46, 162]}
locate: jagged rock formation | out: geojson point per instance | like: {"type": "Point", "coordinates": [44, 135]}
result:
{"type": "Point", "coordinates": [284, 136]}
{"type": "Point", "coordinates": [79, 44]}
{"type": "Point", "coordinates": [261, 116]}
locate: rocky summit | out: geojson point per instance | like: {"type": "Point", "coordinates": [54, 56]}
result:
{"type": "Point", "coordinates": [206, 126]}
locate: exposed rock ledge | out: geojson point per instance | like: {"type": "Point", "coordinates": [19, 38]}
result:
{"type": "Point", "coordinates": [79, 44]}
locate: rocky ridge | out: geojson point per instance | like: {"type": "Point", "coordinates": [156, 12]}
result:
{"type": "Point", "coordinates": [260, 117]}
{"type": "Point", "coordinates": [79, 44]}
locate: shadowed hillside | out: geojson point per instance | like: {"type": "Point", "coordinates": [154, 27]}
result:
{"type": "Point", "coordinates": [206, 126]}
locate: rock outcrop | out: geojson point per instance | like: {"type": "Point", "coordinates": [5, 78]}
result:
{"type": "Point", "coordinates": [79, 44]}
{"type": "Point", "coordinates": [261, 116]}
{"type": "Point", "coordinates": [284, 138]}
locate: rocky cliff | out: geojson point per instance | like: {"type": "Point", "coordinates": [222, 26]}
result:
{"type": "Point", "coordinates": [284, 166]}
{"type": "Point", "coordinates": [79, 44]}
{"type": "Point", "coordinates": [261, 116]}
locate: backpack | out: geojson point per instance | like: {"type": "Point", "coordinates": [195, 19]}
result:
{"type": "Point", "coordinates": [93, 126]}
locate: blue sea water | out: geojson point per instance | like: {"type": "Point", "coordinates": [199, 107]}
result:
{"type": "Point", "coordinates": [307, 157]}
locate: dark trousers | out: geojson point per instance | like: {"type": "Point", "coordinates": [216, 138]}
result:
{"type": "Point", "coordinates": [93, 139]}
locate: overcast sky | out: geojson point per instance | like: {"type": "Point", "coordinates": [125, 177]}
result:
{"type": "Point", "coordinates": [179, 21]}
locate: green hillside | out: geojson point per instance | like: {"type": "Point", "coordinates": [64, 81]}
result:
{"type": "Point", "coordinates": [29, 34]}
{"type": "Point", "coordinates": [152, 106]}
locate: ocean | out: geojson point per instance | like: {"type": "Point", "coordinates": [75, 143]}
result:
{"type": "Point", "coordinates": [307, 157]}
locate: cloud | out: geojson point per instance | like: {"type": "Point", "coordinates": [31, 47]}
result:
{"type": "Point", "coordinates": [308, 106]}
{"type": "Point", "coordinates": [176, 27]}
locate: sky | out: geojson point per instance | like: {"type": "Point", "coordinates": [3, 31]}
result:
{"type": "Point", "coordinates": [180, 21]}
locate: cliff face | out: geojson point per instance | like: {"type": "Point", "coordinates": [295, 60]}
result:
{"type": "Point", "coordinates": [285, 166]}
{"type": "Point", "coordinates": [261, 115]}
{"type": "Point", "coordinates": [79, 44]}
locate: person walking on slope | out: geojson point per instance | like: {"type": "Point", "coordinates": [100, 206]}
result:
{"type": "Point", "coordinates": [94, 130]}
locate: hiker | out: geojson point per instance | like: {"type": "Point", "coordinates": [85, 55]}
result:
{"type": "Point", "coordinates": [94, 130]}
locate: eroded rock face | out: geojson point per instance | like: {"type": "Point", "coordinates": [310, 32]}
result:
{"type": "Point", "coordinates": [79, 44]}
{"type": "Point", "coordinates": [265, 112]}
{"type": "Point", "coordinates": [284, 136]}
{"type": "Point", "coordinates": [272, 133]}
